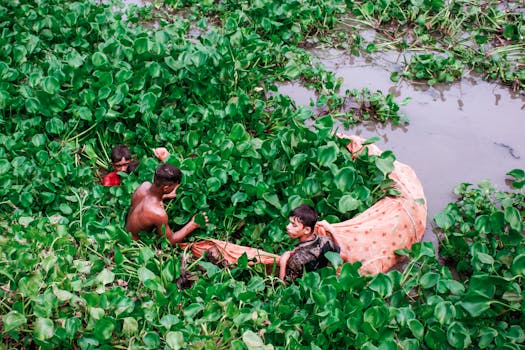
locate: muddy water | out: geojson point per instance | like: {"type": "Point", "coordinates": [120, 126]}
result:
{"type": "Point", "coordinates": [463, 132]}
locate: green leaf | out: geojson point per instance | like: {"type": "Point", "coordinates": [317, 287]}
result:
{"type": "Point", "coordinates": [148, 102]}
{"type": "Point", "coordinates": [385, 162]}
{"type": "Point", "coordinates": [327, 154]}
{"type": "Point", "coordinates": [55, 126]}
{"type": "Point", "coordinates": [475, 305]}
{"type": "Point", "coordinates": [252, 340]}
{"type": "Point", "coordinates": [130, 325]}
{"type": "Point", "coordinates": [213, 184]}
{"type": "Point", "coordinates": [84, 113]}
{"type": "Point", "coordinates": [344, 179]}
{"type": "Point", "coordinates": [238, 132]}
{"type": "Point", "coordinates": [297, 160]}
{"type": "Point", "coordinates": [12, 320]}
{"type": "Point", "coordinates": [51, 85]}
{"type": "Point", "coordinates": [334, 258]}
{"type": "Point", "coordinates": [371, 140]}
{"type": "Point", "coordinates": [416, 328]}
{"type": "Point", "coordinates": [44, 328]}
{"type": "Point", "coordinates": [458, 336]}
{"type": "Point", "coordinates": [144, 274]}
{"type": "Point", "coordinates": [104, 328]}
{"type": "Point", "coordinates": [175, 340]}
{"type": "Point", "coordinates": [518, 265]}
{"type": "Point", "coordinates": [429, 280]}
{"type": "Point", "coordinates": [326, 122]}
{"type": "Point", "coordinates": [239, 197]}
{"type": "Point", "coordinates": [348, 203]}
{"type": "Point", "coordinates": [5, 166]}
{"type": "Point", "coordinates": [105, 277]}
{"type": "Point", "coordinates": [151, 340]}
{"type": "Point", "coordinates": [382, 284]}
{"type": "Point", "coordinates": [445, 312]}
{"type": "Point", "coordinates": [99, 59]}
{"type": "Point", "coordinates": [512, 216]}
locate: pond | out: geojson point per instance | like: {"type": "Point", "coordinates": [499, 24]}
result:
{"type": "Point", "coordinates": [463, 132]}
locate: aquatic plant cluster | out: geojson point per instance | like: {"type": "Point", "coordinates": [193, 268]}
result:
{"type": "Point", "coordinates": [444, 40]}
{"type": "Point", "coordinates": [77, 78]}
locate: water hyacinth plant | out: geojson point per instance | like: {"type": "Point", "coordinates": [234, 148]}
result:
{"type": "Point", "coordinates": [78, 77]}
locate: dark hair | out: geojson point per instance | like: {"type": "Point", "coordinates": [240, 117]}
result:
{"type": "Point", "coordinates": [167, 174]}
{"type": "Point", "coordinates": [119, 152]}
{"type": "Point", "coordinates": [306, 214]}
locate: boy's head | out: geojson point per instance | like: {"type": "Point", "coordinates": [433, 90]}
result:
{"type": "Point", "coordinates": [302, 221]}
{"type": "Point", "coordinates": [167, 176]}
{"type": "Point", "coordinates": [120, 158]}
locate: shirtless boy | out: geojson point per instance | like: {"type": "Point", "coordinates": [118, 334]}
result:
{"type": "Point", "coordinates": [147, 209]}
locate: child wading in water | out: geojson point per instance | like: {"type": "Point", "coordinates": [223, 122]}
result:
{"type": "Point", "coordinates": [308, 255]}
{"type": "Point", "coordinates": [121, 161]}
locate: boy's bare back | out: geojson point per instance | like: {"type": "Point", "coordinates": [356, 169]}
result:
{"type": "Point", "coordinates": [146, 212]}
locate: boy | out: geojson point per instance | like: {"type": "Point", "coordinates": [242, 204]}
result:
{"type": "Point", "coordinates": [121, 161]}
{"type": "Point", "coordinates": [147, 209]}
{"type": "Point", "coordinates": [308, 255]}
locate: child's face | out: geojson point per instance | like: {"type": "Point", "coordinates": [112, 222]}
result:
{"type": "Point", "coordinates": [121, 165]}
{"type": "Point", "coordinates": [296, 228]}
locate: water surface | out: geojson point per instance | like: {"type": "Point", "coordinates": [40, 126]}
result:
{"type": "Point", "coordinates": [463, 132]}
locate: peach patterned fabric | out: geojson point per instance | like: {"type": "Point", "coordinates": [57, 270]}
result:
{"type": "Point", "coordinates": [392, 223]}
{"type": "Point", "coordinates": [371, 237]}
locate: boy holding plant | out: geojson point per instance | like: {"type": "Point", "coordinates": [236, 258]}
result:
{"type": "Point", "coordinates": [308, 255]}
{"type": "Point", "coordinates": [147, 211]}
{"type": "Point", "coordinates": [121, 161]}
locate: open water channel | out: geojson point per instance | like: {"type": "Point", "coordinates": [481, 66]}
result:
{"type": "Point", "coordinates": [463, 132]}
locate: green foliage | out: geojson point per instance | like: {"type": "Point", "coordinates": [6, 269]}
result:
{"type": "Point", "coordinates": [78, 79]}
{"type": "Point", "coordinates": [462, 35]}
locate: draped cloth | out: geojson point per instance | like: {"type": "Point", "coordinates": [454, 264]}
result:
{"type": "Point", "coordinates": [371, 237]}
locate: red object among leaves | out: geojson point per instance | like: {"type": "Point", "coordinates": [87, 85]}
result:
{"type": "Point", "coordinates": [111, 179]}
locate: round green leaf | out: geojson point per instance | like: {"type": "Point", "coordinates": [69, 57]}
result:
{"type": "Point", "coordinates": [297, 160]}
{"type": "Point", "coordinates": [213, 184]}
{"type": "Point", "coordinates": [416, 328]}
{"type": "Point", "coordinates": [445, 312]}
{"type": "Point", "coordinates": [175, 340]}
{"type": "Point", "coordinates": [12, 320]}
{"type": "Point", "coordinates": [5, 166]}
{"type": "Point", "coordinates": [44, 328]}
{"type": "Point", "coordinates": [458, 336]}
{"type": "Point", "coordinates": [144, 274]}
{"type": "Point", "coordinates": [344, 179]}
{"type": "Point", "coordinates": [238, 132]}
{"type": "Point", "coordinates": [99, 59]}
{"type": "Point", "coordinates": [55, 126]}
{"type": "Point", "coordinates": [348, 203]}
{"type": "Point", "coordinates": [239, 197]}
{"type": "Point", "coordinates": [327, 154]}
{"type": "Point", "coordinates": [51, 85]}
{"type": "Point", "coordinates": [151, 340]}
{"type": "Point", "coordinates": [252, 340]}
{"type": "Point", "coordinates": [382, 284]}
{"type": "Point", "coordinates": [518, 265]}
{"type": "Point", "coordinates": [428, 280]}
{"type": "Point", "coordinates": [512, 216]}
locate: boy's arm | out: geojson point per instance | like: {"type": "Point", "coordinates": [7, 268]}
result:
{"type": "Point", "coordinates": [161, 152]}
{"type": "Point", "coordinates": [282, 264]}
{"type": "Point", "coordinates": [177, 236]}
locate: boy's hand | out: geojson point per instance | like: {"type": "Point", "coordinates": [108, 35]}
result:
{"type": "Point", "coordinates": [200, 219]}
{"type": "Point", "coordinates": [161, 152]}
{"type": "Point", "coordinates": [324, 227]}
